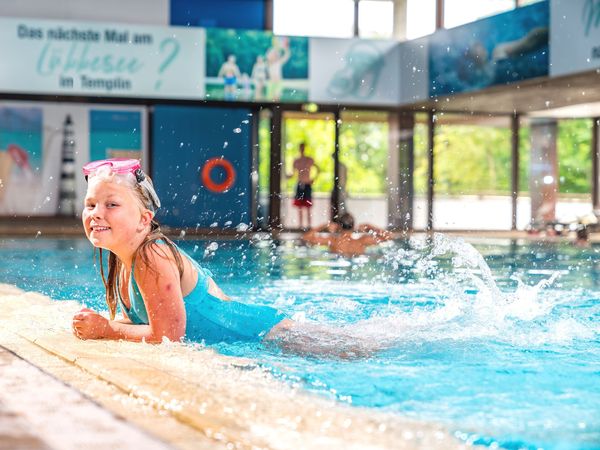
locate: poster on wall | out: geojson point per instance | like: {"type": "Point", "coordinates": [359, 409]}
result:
{"type": "Point", "coordinates": [574, 36]}
{"type": "Point", "coordinates": [354, 71]}
{"type": "Point", "coordinates": [255, 66]}
{"type": "Point", "coordinates": [91, 58]}
{"type": "Point", "coordinates": [21, 158]}
{"type": "Point", "coordinates": [44, 145]}
{"type": "Point", "coordinates": [501, 49]}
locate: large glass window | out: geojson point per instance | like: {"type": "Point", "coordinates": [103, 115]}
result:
{"type": "Point", "coordinates": [364, 155]}
{"type": "Point", "coordinates": [472, 173]}
{"type": "Point", "coordinates": [376, 18]}
{"type": "Point", "coordinates": [329, 18]}
{"type": "Point", "coordinates": [420, 175]}
{"type": "Point", "coordinates": [317, 133]}
{"type": "Point", "coordinates": [459, 12]}
{"type": "Point", "coordinates": [420, 18]}
{"type": "Point", "coordinates": [573, 147]}
{"type": "Point", "coordinates": [264, 165]}
{"type": "Point", "coordinates": [524, 197]}
{"type": "Point", "coordinates": [574, 169]}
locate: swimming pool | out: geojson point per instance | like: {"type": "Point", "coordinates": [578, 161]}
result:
{"type": "Point", "coordinates": [496, 356]}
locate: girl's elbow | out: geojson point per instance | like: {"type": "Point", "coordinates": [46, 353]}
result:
{"type": "Point", "coordinates": [159, 338]}
{"type": "Point", "coordinates": [174, 334]}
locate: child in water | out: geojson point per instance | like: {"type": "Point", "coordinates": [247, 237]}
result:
{"type": "Point", "coordinates": [161, 290]}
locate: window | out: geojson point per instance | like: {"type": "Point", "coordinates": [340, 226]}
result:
{"type": "Point", "coordinates": [327, 18]}
{"type": "Point", "coordinates": [420, 18]}
{"type": "Point", "coordinates": [459, 12]}
{"type": "Point", "coordinates": [376, 19]}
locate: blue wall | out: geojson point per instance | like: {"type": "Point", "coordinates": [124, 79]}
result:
{"type": "Point", "coordinates": [241, 14]}
{"type": "Point", "coordinates": [184, 138]}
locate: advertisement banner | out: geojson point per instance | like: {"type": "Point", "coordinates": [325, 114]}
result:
{"type": "Point", "coordinates": [501, 49]}
{"type": "Point", "coordinates": [89, 58]}
{"type": "Point", "coordinates": [255, 66]}
{"type": "Point", "coordinates": [354, 71]}
{"type": "Point", "coordinates": [574, 36]}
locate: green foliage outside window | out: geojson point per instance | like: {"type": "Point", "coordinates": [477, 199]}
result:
{"type": "Point", "coordinates": [477, 160]}
{"type": "Point", "coordinates": [472, 160]}
{"type": "Point", "coordinates": [574, 156]}
{"type": "Point", "coordinates": [364, 152]}
{"type": "Point", "coordinates": [319, 138]}
{"type": "Point", "coordinates": [468, 159]}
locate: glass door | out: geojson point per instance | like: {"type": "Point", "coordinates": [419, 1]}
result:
{"type": "Point", "coordinates": [308, 144]}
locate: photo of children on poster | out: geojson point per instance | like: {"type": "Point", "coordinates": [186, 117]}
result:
{"type": "Point", "coordinates": [256, 66]}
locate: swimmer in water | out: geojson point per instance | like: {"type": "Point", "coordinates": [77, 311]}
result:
{"type": "Point", "coordinates": [161, 290]}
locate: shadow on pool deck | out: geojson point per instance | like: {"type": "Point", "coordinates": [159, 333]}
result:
{"type": "Point", "coordinates": [194, 397]}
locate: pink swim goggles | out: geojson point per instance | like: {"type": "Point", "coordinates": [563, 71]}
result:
{"type": "Point", "coordinates": [123, 166]}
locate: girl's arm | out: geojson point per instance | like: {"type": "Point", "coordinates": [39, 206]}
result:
{"type": "Point", "coordinates": [160, 286]}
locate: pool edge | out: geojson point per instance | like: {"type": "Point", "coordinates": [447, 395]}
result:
{"type": "Point", "coordinates": [56, 351]}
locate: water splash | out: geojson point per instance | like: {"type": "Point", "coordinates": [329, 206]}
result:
{"type": "Point", "coordinates": [453, 296]}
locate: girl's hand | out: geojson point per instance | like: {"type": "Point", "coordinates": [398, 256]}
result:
{"type": "Point", "coordinates": [88, 324]}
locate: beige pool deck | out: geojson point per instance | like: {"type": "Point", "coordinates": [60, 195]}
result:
{"type": "Point", "coordinates": [60, 392]}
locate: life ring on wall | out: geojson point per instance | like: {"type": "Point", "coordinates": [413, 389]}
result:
{"type": "Point", "coordinates": [229, 175]}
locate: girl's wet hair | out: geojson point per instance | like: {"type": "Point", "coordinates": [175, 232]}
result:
{"type": "Point", "coordinates": [150, 244]}
{"type": "Point", "coordinates": [346, 221]}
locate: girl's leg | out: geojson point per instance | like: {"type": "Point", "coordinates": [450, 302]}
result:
{"type": "Point", "coordinates": [319, 340]}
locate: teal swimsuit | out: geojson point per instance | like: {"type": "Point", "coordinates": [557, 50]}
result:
{"type": "Point", "coordinates": [209, 318]}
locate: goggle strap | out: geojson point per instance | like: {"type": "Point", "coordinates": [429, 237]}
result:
{"type": "Point", "coordinates": [139, 175]}
{"type": "Point", "coordinates": [150, 190]}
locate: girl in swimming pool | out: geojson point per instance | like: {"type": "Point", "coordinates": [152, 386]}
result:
{"type": "Point", "coordinates": [161, 290]}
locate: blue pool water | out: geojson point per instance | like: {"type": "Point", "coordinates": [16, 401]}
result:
{"type": "Point", "coordinates": [503, 348]}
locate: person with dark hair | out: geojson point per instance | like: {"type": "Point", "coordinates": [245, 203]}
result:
{"type": "Point", "coordinates": [341, 237]}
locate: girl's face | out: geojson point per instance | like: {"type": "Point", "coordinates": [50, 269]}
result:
{"type": "Point", "coordinates": [112, 215]}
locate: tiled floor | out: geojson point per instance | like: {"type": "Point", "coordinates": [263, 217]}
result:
{"type": "Point", "coordinates": [37, 412]}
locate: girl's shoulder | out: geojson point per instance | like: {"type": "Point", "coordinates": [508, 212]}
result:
{"type": "Point", "coordinates": [156, 256]}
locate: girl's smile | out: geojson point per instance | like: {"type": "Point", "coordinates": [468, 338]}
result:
{"type": "Point", "coordinates": [112, 216]}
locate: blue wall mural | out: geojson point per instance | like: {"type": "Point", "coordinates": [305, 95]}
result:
{"type": "Point", "coordinates": [115, 134]}
{"type": "Point", "coordinates": [501, 49]}
{"type": "Point", "coordinates": [185, 139]}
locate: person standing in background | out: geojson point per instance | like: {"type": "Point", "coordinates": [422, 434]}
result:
{"type": "Point", "coordinates": [303, 166]}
